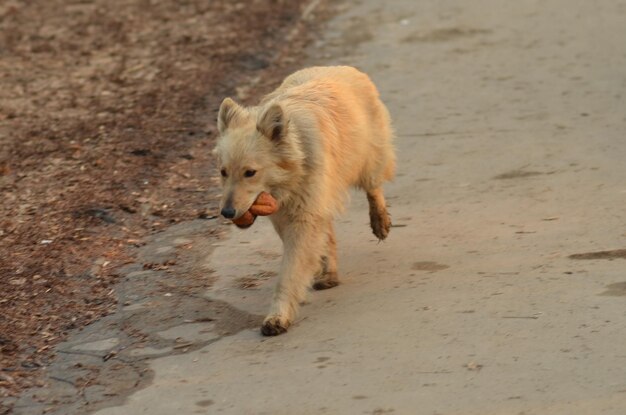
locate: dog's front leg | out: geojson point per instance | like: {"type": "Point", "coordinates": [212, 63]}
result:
{"type": "Point", "coordinates": [303, 246]}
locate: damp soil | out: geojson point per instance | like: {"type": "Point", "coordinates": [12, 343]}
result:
{"type": "Point", "coordinates": [613, 254]}
{"type": "Point", "coordinates": [428, 266]}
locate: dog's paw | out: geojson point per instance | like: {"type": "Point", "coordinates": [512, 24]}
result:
{"type": "Point", "coordinates": [273, 326]}
{"type": "Point", "coordinates": [381, 224]}
{"type": "Point", "coordinates": [326, 281]}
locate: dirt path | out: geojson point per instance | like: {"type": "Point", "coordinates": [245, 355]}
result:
{"type": "Point", "coordinates": [501, 287]}
{"type": "Point", "coordinates": [106, 121]}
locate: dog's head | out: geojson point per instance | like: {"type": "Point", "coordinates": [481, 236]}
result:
{"type": "Point", "coordinates": [246, 153]}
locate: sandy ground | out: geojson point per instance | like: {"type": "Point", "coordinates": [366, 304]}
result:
{"type": "Point", "coordinates": [501, 287]}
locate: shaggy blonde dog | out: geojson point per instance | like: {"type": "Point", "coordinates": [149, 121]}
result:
{"type": "Point", "coordinates": [322, 131]}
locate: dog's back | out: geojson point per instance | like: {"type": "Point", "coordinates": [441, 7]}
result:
{"type": "Point", "coordinates": [344, 128]}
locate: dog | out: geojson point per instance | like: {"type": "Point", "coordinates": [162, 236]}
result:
{"type": "Point", "coordinates": [322, 131]}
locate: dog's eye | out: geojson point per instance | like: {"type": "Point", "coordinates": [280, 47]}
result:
{"type": "Point", "coordinates": [249, 173]}
{"type": "Point", "coordinates": [223, 172]}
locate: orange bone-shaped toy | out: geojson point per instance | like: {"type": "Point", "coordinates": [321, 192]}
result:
{"type": "Point", "coordinates": [264, 205]}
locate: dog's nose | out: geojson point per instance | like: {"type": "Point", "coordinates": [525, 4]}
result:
{"type": "Point", "coordinates": [228, 212]}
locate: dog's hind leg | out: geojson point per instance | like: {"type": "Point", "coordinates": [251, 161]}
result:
{"type": "Point", "coordinates": [327, 277]}
{"type": "Point", "coordinates": [379, 217]}
{"type": "Point", "coordinates": [304, 246]}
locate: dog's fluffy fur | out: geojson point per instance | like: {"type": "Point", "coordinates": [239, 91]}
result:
{"type": "Point", "coordinates": [323, 130]}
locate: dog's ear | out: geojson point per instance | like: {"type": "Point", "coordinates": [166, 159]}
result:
{"type": "Point", "coordinates": [272, 123]}
{"type": "Point", "coordinates": [229, 110]}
